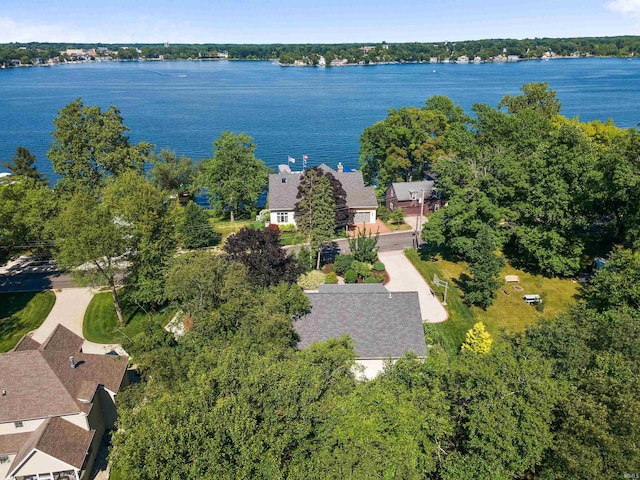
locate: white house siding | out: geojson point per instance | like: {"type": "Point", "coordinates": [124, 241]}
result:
{"type": "Point", "coordinates": [364, 216]}
{"type": "Point", "coordinates": [42, 463]}
{"type": "Point", "coordinates": [273, 217]}
{"type": "Point", "coordinates": [370, 368]}
{"type": "Point", "coordinates": [4, 467]}
{"type": "Point", "coordinates": [27, 426]}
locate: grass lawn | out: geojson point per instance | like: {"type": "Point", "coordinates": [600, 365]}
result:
{"type": "Point", "coordinates": [21, 313]}
{"type": "Point", "coordinates": [291, 238]}
{"type": "Point", "coordinates": [100, 323]}
{"type": "Point", "coordinates": [227, 228]}
{"type": "Point", "coordinates": [397, 227]}
{"type": "Point", "coordinates": [509, 312]}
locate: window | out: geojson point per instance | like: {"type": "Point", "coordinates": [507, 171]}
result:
{"type": "Point", "coordinates": [282, 217]}
{"type": "Point", "coordinates": [18, 424]}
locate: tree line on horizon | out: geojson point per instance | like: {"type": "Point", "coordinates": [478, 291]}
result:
{"type": "Point", "coordinates": [620, 46]}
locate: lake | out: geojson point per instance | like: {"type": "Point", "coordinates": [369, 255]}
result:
{"type": "Point", "coordinates": [289, 111]}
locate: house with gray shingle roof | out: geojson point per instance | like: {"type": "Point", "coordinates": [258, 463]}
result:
{"type": "Point", "coordinates": [283, 190]}
{"type": "Point", "coordinates": [55, 404]}
{"type": "Point", "coordinates": [383, 325]}
{"type": "Point", "coordinates": [409, 196]}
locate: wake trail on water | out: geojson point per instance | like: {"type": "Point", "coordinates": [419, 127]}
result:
{"type": "Point", "coordinates": [180, 75]}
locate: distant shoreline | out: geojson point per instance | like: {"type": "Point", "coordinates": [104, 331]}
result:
{"type": "Point", "coordinates": [275, 62]}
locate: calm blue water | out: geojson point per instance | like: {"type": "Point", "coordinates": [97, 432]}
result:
{"type": "Point", "coordinates": [289, 111]}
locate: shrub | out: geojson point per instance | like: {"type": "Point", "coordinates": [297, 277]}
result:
{"type": "Point", "coordinates": [351, 276]}
{"type": "Point", "coordinates": [342, 263]}
{"type": "Point", "coordinates": [378, 266]}
{"type": "Point", "coordinates": [397, 216]}
{"type": "Point", "coordinates": [304, 256]}
{"type": "Point", "coordinates": [364, 247]}
{"type": "Point", "coordinates": [371, 279]}
{"type": "Point", "coordinates": [264, 215]}
{"type": "Point", "coordinates": [331, 278]}
{"type": "Point", "coordinates": [311, 280]}
{"type": "Point", "coordinates": [362, 269]}
{"type": "Point", "coordinates": [273, 227]}
{"type": "Point", "coordinates": [287, 228]}
{"type": "Point", "coordinates": [383, 213]}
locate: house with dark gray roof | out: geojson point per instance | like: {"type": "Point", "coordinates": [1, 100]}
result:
{"type": "Point", "coordinates": [409, 196]}
{"type": "Point", "coordinates": [55, 404]}
{"type": "Point", "coordinates": [383, 325]}
{"type": "Point", "coordinates": [283, 190]}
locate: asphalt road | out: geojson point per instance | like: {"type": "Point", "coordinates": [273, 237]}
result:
{"type": "Point", "coordinates": [35, 282]}
{"type": "Point", "coordinates": [386, 242]}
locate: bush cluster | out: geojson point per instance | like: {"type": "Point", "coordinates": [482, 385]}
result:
{"type": "Point", "coordinates": [350, 276]}
{"type": "Point", "coordinates": [342, 263]}
{"type": "Point", "coordinates": [331, 278]}
{"type": "Point", "coordinates": [311, 280]}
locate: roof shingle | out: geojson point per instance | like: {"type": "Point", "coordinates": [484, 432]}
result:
{"type": "Point", "coordinates": [283, 189]}
{"type": "Point", "coordinates": [382, 325]}
{"type": "Point", "coordinates": [59, 438]}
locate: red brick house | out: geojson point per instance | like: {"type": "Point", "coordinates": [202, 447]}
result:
{"type": "Point", "coordinates": [409, 196]}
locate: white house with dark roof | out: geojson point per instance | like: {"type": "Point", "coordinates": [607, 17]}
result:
{"type": "Point", "coordinates": [283, 190]}
{"type": "Point", "coordinates": [55, 404]}
{"type": "Point", "coordinates": [383, 325]}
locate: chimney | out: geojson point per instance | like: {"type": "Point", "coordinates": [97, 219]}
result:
{"type": "Point", "coordinates": [72, 360]}
{"type": "Point", "coordinates": [340, 169]}
{"type": "Point", "coordinates": [4, 393]}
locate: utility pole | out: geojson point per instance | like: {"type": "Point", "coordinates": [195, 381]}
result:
{"type": "Point", "coordinates": [421, 212]}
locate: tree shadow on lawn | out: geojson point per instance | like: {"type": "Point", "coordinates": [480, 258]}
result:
{"type": "Point", "coordinates": [11, 305]}
{"type": "Point", "coordinates": [430, 253]}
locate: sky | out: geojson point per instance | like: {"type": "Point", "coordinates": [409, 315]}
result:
{"type": "Point", "coordinates": [302, 21]}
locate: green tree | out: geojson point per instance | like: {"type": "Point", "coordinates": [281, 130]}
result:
{"type": "Point", "coordinates": [90, 144]}
{"type": "Point", "coordinates": [484, 267]}
{"type": "Point", "coordinates": [90, 240]}
{"type": "Point", "coordinates": [403, 147]}
{"type": "Point", "coordinates": [195, 229]}
{"type": "Point", "coordinates": [535, 96]}
{"type": "Point", "coordinates": [26, 210]}
{"type": "Point", "coordinates": [200, 283]}
{"type": "Point", "coordinates": [503, 404]}
{"type": "Point", "coordinates": [174, 174]}
{"type": "Point", "coordinates": [234, 175]}
{"type": "Point", "coordinates": [23, 163]}
{"type": "Point", "coordinates": [146, 217]}
{"type": "Point", "coordinates": [315, 210]}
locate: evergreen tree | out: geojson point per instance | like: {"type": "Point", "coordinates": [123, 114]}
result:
{"type": "Point", "coordinates": [195, 230]}
{"type": "Point", "coordinates": [315, 210]}
{"type": "Point", "coordinates": [484, 267]}
{"type": "Point", "coordinates": [24, 163]}
{"type": "Point", "coordinates": [364, 247]}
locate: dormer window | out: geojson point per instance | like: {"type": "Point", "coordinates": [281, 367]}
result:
{"type": "Point", "coordinates": [284, 180]}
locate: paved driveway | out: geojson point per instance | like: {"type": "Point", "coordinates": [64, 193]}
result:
{"type": "Point", "coordinates": [71, 303]}
{"type": "Point", "coordinates": [403, 277]}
